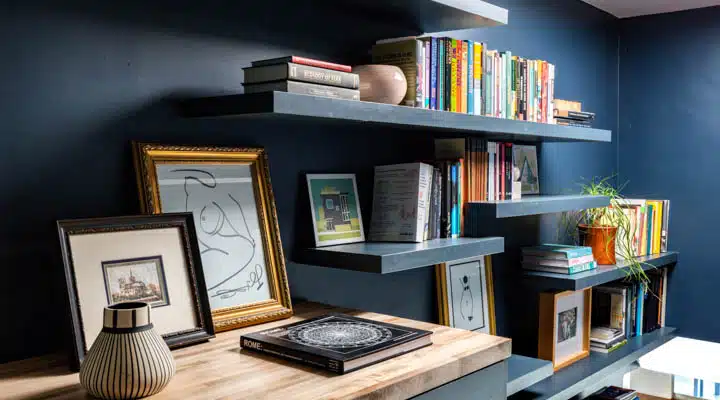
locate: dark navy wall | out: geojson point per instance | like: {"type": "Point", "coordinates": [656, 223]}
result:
{"type": "Point", "coordinates": [669, 136]}
{"type": "Point", "coordinates": [80, 79]}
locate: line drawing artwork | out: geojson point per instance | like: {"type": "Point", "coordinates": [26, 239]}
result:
{"type": "Point", "coordinates": [231, 253]}
{"type": "Point", "coordinates": [466, 300]}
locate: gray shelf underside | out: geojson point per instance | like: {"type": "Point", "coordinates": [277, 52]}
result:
{"type": "Point", "coordinates": [303, 107]}
{"type": "Point", "coordinates": [385, 258]}
{"type": "Point", "coordinates": [534, 205]}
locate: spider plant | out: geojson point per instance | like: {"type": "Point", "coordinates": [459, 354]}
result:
{"type": "Point", "coordinates": [613, 225]}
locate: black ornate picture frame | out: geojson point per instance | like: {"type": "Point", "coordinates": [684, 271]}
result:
{"type": "Point", "coordinates": [197, 300]}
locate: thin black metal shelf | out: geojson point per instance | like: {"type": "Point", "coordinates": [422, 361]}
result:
{"type": "Point", "coordinates": [291, 106]}
{"type": "Point", "coordinates": [385, 258]}
{"type": "Point", "coordinates": [587, 374]}
{"type": "Point", "coordinates": [524, 372]}
{"type": "Point", "coordinates": [602, 274]}
{"type": "Point", "coordinates": [534, 205]}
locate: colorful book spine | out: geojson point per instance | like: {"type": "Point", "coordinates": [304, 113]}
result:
{"type": "Point", "coordinates": [470, 76]}
{"type": "Point", "coordinates": [650, 220]}
{"type": "Point", "coordinates": [477, 78]}
{"type": "Point", "coordinates": [454, 212]}
{"type": "Point", "coordinates": [454, 77]}
{"type": "Point", "coordinates": [448, 74]}
{"type": "Point", "coordinates": [433, 72]}
{"type": "Point", "coordinates": [441, 75]}
{"type": "Point", "coordinates": [427, 53]}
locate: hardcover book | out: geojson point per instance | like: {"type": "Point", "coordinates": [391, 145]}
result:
{"type": "Point", "coordinates": [337, 342]}
{"type": "Point", "coordinates": [401, 202]}
{"type": "Point", "coordinates": [557, 251]}
{"type": "Point", "coordinates": [304, 88]}
{"type": "Point", "coordinates": [304, 61]}
{"type": "Point", "coordinates": [303, 73]}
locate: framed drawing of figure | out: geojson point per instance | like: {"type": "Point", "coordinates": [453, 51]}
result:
{"type": "Point", "coordinates": [465, 294]}
{"type": "Point", "coordinates": [228, 192]}
{"type": "Point", "coordinates": [564, 335]}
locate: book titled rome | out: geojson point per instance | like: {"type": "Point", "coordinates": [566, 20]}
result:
{"type": "Point", "coordinates": [337, 342]}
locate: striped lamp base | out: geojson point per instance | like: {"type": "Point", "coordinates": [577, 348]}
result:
{"type": "Point", "coordinates": [128, 360]}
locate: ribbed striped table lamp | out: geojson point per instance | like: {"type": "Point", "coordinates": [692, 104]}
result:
{"type": "Point", "coordinates": [129, 359]}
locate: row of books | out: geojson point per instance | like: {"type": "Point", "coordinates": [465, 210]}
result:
{"type": "Point", "coordinates": [467, 77]}
{"type": "Point", "coordinates": [416, 202]}
{"type": "Point", "coordinates": [649, 220]}
{"type": "Point", "coordinates": [623, 310]}
{"type": "Point", "coordinates": [302, 75]}
{"type": "Point", "coordinates": [489, 168]}
{"type": "Point", "coordinates": [558, 258]}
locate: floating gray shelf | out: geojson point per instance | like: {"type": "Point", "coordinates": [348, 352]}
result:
{"type": "Point", "coordinates": [602, 274]}
{"type": "Point", "coordinates": [525, 371]}
{"type": "Point", "coordinates": [302, 107]}
{"type": "Point", "coordinates": [588, 374]}
{"type": "Point", "coordinates": [385, 258]}
{"type": "Point", "coordinates": [534, 205]}
{"type": "Point", "coordinates": [428, 16]}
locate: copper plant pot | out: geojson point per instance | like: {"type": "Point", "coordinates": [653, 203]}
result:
{"type": "Point", "coordinates": [602, 241]}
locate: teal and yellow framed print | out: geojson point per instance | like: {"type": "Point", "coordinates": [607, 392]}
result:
{"type": "Point", "coordinates": [335, 209]}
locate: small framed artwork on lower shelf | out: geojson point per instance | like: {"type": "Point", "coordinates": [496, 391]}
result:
{"type": "Point", "coordinates": [564, 335]}
{"type": "Point", "coordinates": [465, 294]}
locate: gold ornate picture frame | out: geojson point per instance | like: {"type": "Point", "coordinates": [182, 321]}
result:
{"type": "Point", "coordinates": [465, 294]}
{"type": "Point", "coordinates": [228, 191]}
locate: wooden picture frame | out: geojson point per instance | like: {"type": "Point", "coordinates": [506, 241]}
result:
{"type": "Point", "coordinates": [181, 314]}
{"type": "Point", "coordinates": [559, 340]}
{"type": "Point", "coordinates": [228, 191]}
{"type": "Point", "coordinates": [458, 285]}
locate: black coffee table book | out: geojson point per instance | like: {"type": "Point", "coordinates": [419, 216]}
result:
{"type": "Point", "coordinates": [337, 342]}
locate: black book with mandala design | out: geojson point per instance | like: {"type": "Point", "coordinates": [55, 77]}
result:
{"type": "Point", "coordinates": [337, 342]}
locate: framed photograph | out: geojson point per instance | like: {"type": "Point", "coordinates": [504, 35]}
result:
{"type": "Point", "coordinates": [153, 259]}
{"type": "Point", "coordinates": [229, 194]}
{"type": "Point", "coordinates": [564, 335]}
{"type": "Point", "coordinates": [465, 294]}
{"type": "Point", "coordinates": [526, 165]}
{"type": "Point", "coordinates": [335, 209]}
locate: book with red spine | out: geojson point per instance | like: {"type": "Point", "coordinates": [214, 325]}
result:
{"type": "Point", "coordinates": [304, 61]}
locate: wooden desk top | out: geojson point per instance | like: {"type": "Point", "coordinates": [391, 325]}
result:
{"type": "Point", "coordinates": [219, 369]}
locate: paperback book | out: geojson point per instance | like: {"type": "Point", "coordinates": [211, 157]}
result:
{"type": "Point", "coordinates": [336, 342]}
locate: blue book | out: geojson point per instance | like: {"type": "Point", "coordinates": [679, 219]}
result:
{"type": "Point", "coordinates": [639, 310]}
{"type": "Point", "coordinates": [433, 72]}
{"type": "Point", "coordinates": [454, 227]}
{"type": "Point", "coordinates": [557, 251]}
{"type": "Point", "coordinates": [470, 81]}
{"type": "Point", "coordinates": [441, 75]}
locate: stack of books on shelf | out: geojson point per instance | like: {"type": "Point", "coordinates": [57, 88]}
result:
{"type": "Point", "coordinates": [558, 258]}
{"type": "Point", "coordinates": [302, 75]}
{"type": "Point", "coordinates": [632, 308]}
{"type": "Point", "coordinates": [649, 220]}
{"type": "Point", "coordinates": [606, 340]}
{"type": "Point", "coordinates": [570, 113]}
{"type": "Point", "coordinates": [467, 77]}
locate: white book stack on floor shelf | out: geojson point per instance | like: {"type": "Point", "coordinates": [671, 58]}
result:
{"type": "Point", "coordinates": [401, 199]}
